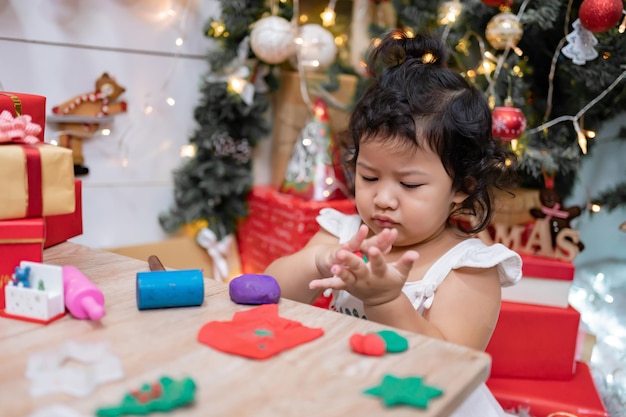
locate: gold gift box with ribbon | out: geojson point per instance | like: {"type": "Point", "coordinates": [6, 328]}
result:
{"type": "Point", "coordinates": [37, 181]}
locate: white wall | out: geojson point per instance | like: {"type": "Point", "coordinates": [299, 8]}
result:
{"type": "Point", "coordinates": [120, 203]}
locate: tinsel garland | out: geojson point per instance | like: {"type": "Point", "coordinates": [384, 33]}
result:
{"type": "Point", "coordinates": [598, 291]}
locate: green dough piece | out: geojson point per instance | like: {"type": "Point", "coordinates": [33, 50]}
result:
{"type": "Point", "coordinates": [163, 396]}
{"type": "Point", "coordinates": [394, 342]}
{"type": "Point", "coordinates": [404, 391]}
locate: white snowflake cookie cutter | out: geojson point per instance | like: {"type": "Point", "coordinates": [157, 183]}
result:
{"type": "Point", "coordinates": [52, 371]}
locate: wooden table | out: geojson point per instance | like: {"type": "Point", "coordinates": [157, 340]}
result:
{"type": "Point", "coordinates": [320, 378]}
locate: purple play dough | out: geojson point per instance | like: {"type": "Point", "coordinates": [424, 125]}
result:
{"type": "Point", "coordinates": [254, 289]}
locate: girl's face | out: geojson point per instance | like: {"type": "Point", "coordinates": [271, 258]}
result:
{"type": "Point", "coordinates": [404, 189]}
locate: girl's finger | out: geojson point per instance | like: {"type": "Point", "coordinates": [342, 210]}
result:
{"type": "Point", "coordinates": [405, 263]}
{"type": "Point", "coordinates": [335, 283]}
{"type": "Point", "coordinates": [378, 266]}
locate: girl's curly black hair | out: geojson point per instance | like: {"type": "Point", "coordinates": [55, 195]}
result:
{"type": "Point", "coordinates": [416, 100]}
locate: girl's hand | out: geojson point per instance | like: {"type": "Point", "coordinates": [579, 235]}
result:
{"type": "Point", "coordinates": [373, 282]}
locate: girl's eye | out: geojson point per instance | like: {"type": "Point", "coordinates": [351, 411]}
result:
{"type": "Point", "coordinates": [368, 179]}
{"type": "Point", "coordinates": [410, 185]}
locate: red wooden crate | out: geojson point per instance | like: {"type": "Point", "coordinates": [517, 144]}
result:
{"type": "Point", "coordinates": [278, 224]}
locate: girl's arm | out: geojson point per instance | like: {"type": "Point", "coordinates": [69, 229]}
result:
{"type": "Point", "coordinates": [294, 272]}
{"type": "Point", "coordinates": [464, 311]}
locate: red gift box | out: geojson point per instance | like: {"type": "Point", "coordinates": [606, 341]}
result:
{"type": "Point", "coordinates": [62, 227]}
{"type": "Point", "coordinates": [544, 281]}
{"type": "Point", "coordinates": [542, 398]}
{"type": "Point", "coordinates": [532, 341]}
{"type": "Point", "coordinates": [30, 104]}
{"type": "Point", "coordinates": [20, 240]}
{"type": "Point", "coordinates": [279, 224]}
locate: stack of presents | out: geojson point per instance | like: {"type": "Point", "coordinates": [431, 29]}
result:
{"type": "Point", "coordinates": [40, 200]}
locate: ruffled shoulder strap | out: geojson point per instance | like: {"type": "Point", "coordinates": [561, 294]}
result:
{"type": "Point", "coordinates": [468, 253]}
{"type": "Point", "coordinates": [339, 224]}
{"type": "Point", "coordinates": [475, 253]}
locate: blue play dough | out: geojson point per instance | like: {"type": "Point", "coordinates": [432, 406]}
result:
{"type": "Point", "coordinates": [254, 289]}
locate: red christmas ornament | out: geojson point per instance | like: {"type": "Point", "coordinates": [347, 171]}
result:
{"type": "Point", "coordinates": [508, 122]}
{"type": "Point", "coordinates": [497, 3]}
{"type": "Point", "coordinates": [600, 15]}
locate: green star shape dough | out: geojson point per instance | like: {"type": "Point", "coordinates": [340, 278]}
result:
{"type": "Point", "coordinates": [404, 391]}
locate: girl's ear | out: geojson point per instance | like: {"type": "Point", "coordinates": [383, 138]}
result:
{"type": "Point", "coordinates": [469, 186]}
{"type": "Point", "coordinates": [459, 197]}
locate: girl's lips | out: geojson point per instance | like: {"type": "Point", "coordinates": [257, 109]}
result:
{"type": "Point", "coordinates": [383, 222]}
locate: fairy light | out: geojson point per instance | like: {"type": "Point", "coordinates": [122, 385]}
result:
{"type": "Point", "coordinates": [168, 13]}
{"type": "Point", "coordinates": [148, 109]}
{"type": "Point", "coordinates": [491, 57]}
{"type": "Point", "coordinates": [486, 67]}
{"type": "Point", "coordinates": [218, 29]}
{"type": "Point", "coordinates": [341, 40]}
{"type": "Point", "coordinates": [179, 41]}
{"type": "Point", "coordinates": [328, 15]}
{"type": "Point", "coordinates": [236, 84]}
{"type": "Point", "coordinates": [188, 151]}
{"type": "Point", "coordinates": [170, 101]}
{"type": "Point", "coordinates": [595, 208]}
{"type": "Point", "coordinates": [449, 12]}
{"type": "Point", "coordinates": [105, 132]}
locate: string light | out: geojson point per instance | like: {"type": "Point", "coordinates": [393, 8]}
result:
{"type": "Point", "coordinates": [188, 151]}
{"type": "Point", "coordinates": [236, 84]}
{"type": "Point", "coordinates": [582, 139]}
{"type": "Point", "coordinates": [328, 15]}
{"type": "Point", "coordinates": [449, 11]}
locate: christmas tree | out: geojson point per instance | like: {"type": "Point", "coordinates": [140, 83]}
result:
{"type": "Point", "coordinates": [556, 66]}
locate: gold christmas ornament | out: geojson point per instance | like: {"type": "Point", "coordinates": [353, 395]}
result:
{"type": "Point", "coordinates": [504, 29]}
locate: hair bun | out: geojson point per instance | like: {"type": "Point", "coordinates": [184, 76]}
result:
{"type": "Point", "coordinates": [396, 47]}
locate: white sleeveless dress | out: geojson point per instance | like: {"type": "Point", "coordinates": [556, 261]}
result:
{"type": "Point", "coordinates": [468, 253]}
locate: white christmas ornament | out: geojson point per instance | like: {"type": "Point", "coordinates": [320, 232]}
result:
{"type": "Point", "coordinates": [580, 48]}
{"type": "Point", "coordinates": [272, 39]}
{"type": "Point", "coordinates": [317, 46]}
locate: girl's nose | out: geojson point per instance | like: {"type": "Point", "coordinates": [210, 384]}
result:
{"type": "Point", "coordinates": [385, 198]}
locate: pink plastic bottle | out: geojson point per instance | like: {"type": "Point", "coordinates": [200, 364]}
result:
{"type": "Point", "coordinates": [82, 298]}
